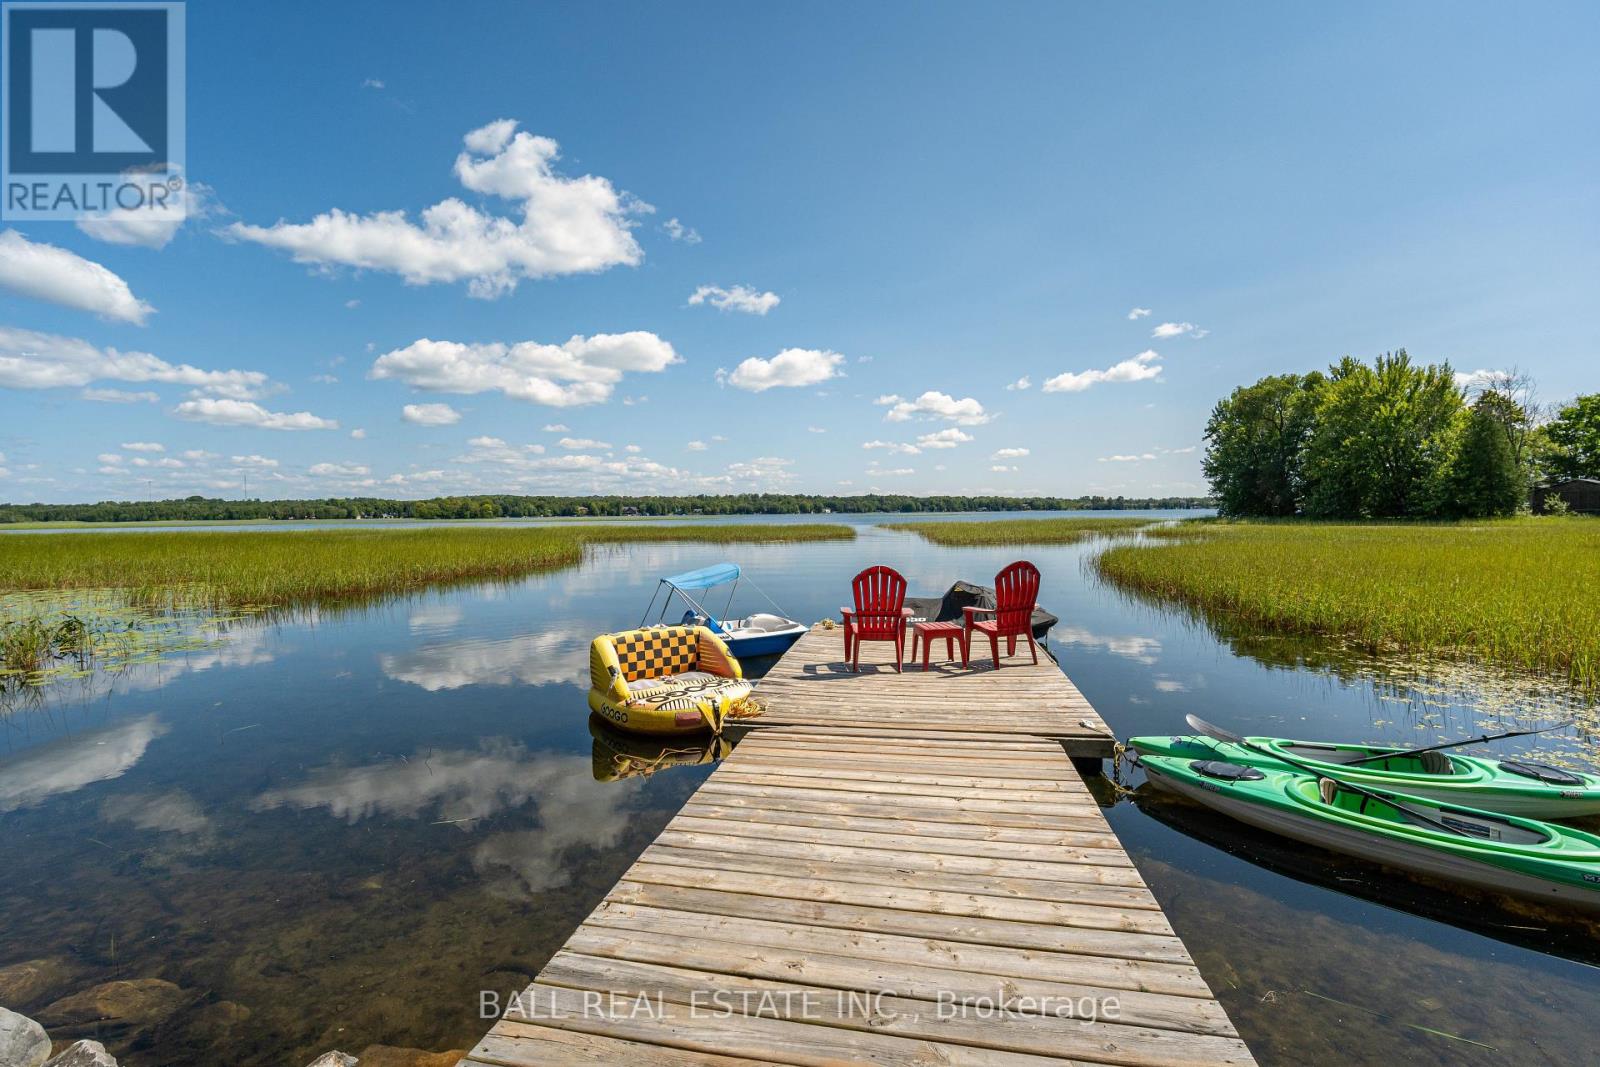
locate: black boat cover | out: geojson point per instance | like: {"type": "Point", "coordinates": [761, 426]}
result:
{"type": "Point", "coordinates": [947, 608]}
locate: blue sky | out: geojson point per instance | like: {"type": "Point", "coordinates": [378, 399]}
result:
{"type": "Point", "coordinates": [892, 213]}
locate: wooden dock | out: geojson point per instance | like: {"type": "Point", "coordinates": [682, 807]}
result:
{"type": "Point", "coordinates": [929, 892]}
{"type": "Point", "coordinates": [813, 686]}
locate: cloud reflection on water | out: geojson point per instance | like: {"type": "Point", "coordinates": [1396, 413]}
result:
{"type": "Point", "coordinates": [462, 787]}
{"type": "Point", "coordinates": [69, 765]}
{"type": "Point", "coordinates": [1130, 646]}
{"type": "Point", "coordinates": [544, 658]}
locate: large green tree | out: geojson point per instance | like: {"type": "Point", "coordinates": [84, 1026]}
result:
{"type": "Point", "coordinates": [1382, 439]}
{"type": "Point", "coordinates": [1485, 477]}
{"type": "Point", "coordinates": [1254, 441]}
{"type": "Point", "coordinates": [1573, 439]}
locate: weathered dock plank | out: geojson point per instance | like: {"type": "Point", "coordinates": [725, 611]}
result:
{"type": "Point", "coordinates": [813, 686]}
{"type": "Point", "coordinates": [876, 896]}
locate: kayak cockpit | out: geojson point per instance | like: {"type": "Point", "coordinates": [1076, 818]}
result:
{"type": "Point", "coordinates": [1394, 761]}
{"type": "Point", "coordinates": [1481, 825]}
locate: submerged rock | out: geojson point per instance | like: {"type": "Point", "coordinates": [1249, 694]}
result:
{"type": "Point", "coordinates": [137, 1002]}
{"type": "Point", "coordinates": [212, 1022]}
{"type": "Point", "coordinates": [34, 981]}
{"type": "Point", "coordinates": [394, 1056]}
{"type": "Point", "coordinates": [334, 1059]}
{"type": "Point", "coordinates": [23, 1042]}
{"type": "Point", "coordinates": [84, 1054]}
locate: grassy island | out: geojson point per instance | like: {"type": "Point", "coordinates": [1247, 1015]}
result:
{"type": "Point", "coordinates": [1061, 531]}
{"type": "Point", "coordinates": [268, 569]}
{"type": "Point", "coordinates": [1517, 593]}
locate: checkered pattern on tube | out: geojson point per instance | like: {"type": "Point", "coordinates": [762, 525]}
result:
{"type": "Point", "coordinates": [656, 653]}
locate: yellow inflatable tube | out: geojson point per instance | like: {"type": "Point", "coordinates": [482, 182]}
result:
{"type": "Point", "coordinates": [664, 680]}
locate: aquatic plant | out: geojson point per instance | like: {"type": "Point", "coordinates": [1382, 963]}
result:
{"type": "Point", "coordinates": [1019, 531]}
{"type": "Point", "coordinates": [1515, 593]}
{"type": "Point", "coordinates": [30, 646]}
{"type": "Point", "coordinates": [248, 569]}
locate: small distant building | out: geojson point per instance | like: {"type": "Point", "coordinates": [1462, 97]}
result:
{"type": "Point", "coordinates": [1582, 496]}
{"type": "Point", "coordinates": [629, 509]}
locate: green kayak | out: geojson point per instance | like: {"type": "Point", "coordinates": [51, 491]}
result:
{"type": "Point", "coordinates": [1509, 786]}
{"type": "Point", "coordinates": [1484, 849]}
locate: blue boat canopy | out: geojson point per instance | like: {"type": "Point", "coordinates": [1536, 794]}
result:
{"type": "Point", "coordinates": [705, 577]}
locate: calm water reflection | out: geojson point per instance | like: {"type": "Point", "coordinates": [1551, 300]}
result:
{"type": "Point", "coordinates": [334, 832]}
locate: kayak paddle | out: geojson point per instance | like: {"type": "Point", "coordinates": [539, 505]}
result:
{"type": "Point", "coordinates": [1217, 732]}
{"type": "Point", "coordinates": [1450, 744]}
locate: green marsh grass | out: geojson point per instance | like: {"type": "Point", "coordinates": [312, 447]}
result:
{"type": "Point", "coordinates": [1019, 531]}
{"type": "Point", "coordinates": [249, 569]}
{"type": "Point", "coordinates": [1513, 593]}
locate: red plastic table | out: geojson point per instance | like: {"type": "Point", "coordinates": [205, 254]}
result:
{"type": "Point", "coordinates": [928, 631]}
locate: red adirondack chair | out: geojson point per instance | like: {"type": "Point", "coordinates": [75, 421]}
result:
{"type": "Point", "coordinates": [879, 615]}
{"type": "Point", "coordinates": [1015, 591]}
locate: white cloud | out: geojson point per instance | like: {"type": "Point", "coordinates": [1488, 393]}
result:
{"type": "Point", "coordinates": [935, 405]}
{"type": "Point", "coordinates": [556, 427]}
{"type": "Point", "coordinates": [739, 298]}
{"type": "Point", "coordinates": [143, 446]}
{"type": "Point", "coordinates": [111, 458]}
{"type": "Point", "coordinates": [1141, 457]}
{"type": "Point", "coordinates": [792, 367]}
{"type": "Point", "coordinates": [372, 83]}
{"type": "Point", "coordinates": [1144, 366]}
{"type": "Point", "coordinates": [1020, 384]}
{"type": "Point", "coordinates": [1177, 329]}
{"type": "Point", "coordinates": [696, 446]}
{"type": "Point", "coordinates": [893, 472]}
{"type": "Point", "coordinates": [632, 450]}
{"type": "Point", "coordinates": [430, 414]}
{"type": "Point", "coordinates": [255, 461]}
{"type": "Point", "coordinates": [564, 225]}
{"type": "Point", "coordinates": [1138, 313]}
{"type": "Point", "coordinates": [325, 379]}
{"type": "Point", "coordinates": [32, 360]}
{"type": "Point", "coordinates": [152, 227]}
{"type": "Point", "coordinates": [893, 448]}
{"type": "Point", "coordinates": [1009, 453]}
{"type": "Point", "coordinates": [762, 469]}
{"type": "Point", "coordinates": [119, 396]}
{"type": "Point", "coordinates": [1001, 468]}
{"type": "Point", "coordinates": [679, 232]}
{"type": "Point", "coordinates": [946, 438]}
{"type": "Point", "coordinates": [1476, 379]}
{"type": "Point", "coordinates": [526, 468]}
{"type": "Point", "coordinates": [45, 272]}
{"type": "Point", "coordinates": [1179, 451]}
{"type": "Point", "coordinates": [339, 470]}
{"type": "Point", "coordinates": [359, 434]}
{"type": "Point", "coordinates": [224, 412]}
{"type": "Point", "coordinates": [583, 444]}
{"type": "Point", "coordinates": [580, 371]}
{"type": "Point", "coordinates": [815, 429]}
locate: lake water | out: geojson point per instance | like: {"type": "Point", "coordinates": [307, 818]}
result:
{"type": "Point", "coordinates": [334, 831]}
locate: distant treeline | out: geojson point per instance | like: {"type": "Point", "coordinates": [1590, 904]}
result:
{"type": "Point", "coordinates": [199, 508]}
